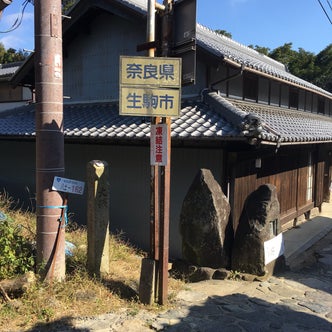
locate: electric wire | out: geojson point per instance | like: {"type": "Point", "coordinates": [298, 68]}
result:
{"type": "Point", "coordinates": [327, 15]}
{"type": "Point", "coordinates": [329, 3]}
{"type": "Point", "coordinates": [19, 19]}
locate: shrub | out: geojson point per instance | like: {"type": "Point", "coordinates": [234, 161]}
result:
{"type": "Point", "coordinates": [16, 251]}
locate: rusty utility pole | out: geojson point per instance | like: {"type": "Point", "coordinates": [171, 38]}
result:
{"type": "Point", "coordinates": [49, 138]}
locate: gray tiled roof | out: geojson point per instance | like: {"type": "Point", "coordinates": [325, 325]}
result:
{"type": "Point", "coordinates": [135, 4]}
{"type": "Point", "coordinates": [218, 119]}
{"type": "Point", "coordinates": [227, 48]}
{"type": "Point", "coordinates": [289, 125]}
{"type": "Point", "coordinates": [271, 123]}
{"type": "Point", "coordinates": [215, 120]}
{"type": "Point", "coordinates": [9, 69]}
{"type": "Point", "coordinates": [102, 121]}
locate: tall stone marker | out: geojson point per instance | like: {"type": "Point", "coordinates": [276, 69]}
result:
{"type": "Point", "coordinates": [98, 217]}
{"type": "Point", "coordinates": [259, 225]}
{"type": "Point", "coordinates": [203, 221]}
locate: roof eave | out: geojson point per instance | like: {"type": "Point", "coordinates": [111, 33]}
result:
{"type": "Point", "coordinates": [276, 78]}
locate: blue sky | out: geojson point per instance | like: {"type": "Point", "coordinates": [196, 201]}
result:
{"type": "Point", "coordinates": [265, 23]}
{"type": "Point", "coordinates": [270, 23]}
{"type": "Point", "coordinates": [22, 37]}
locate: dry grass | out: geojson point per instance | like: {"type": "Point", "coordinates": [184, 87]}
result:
{"type": "Point", "coordinates": [80, 295]}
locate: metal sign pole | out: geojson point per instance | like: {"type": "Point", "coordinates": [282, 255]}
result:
{"type": "Point", "coordinates": [154, 220]}
{"type": "Point", "coordinates": [164, 221]}
{"type": "Point", "coordinates": [165, 177]}
{"type": "Point", "coordinates": [155, 174]}
{"type": "Point", "coordinates": [154, 273]}
{"type": "Point", "coordinates": [149, 270]}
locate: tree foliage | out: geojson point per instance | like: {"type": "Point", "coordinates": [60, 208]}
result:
{"type": "Point", "coordinates": [323, 65]}
{"type": "Point", "coordinates": [224, 33]}
{"type": "Point", "coordinates": [260, 49]}
{"type": "Point", "coordinates": [316, 69]}
{"type": "Point", "coordinates": [11, 55]}
{"type": "Point", "coordinates": [67, 4]}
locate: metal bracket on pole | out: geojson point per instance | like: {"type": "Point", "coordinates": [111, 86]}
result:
{"type": "Point", "coordinates": [160, 6]}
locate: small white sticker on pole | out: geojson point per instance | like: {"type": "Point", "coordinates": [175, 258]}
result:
{"type": "Point", "coordinates": [57, 66]}
{"type": "Point", "coordinates": [68, 185]}
{"type": "Point", "coordinates": [159, 145]}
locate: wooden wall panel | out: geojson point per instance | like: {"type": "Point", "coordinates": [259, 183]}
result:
{"type": "Point", "coordinates": [288, 171]}
{"type": "Point", "coordinates": [302, 187]}
{"type": "Point", "coordinates": [243, 185]}
{"type": "Point", "coordinates": [319, 184]}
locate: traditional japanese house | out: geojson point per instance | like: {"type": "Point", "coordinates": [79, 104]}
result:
{"type": "Point", "coordinates": [247, 119]}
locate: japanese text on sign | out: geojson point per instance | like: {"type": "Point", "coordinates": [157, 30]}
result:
{"type": "Point", "coordinates": [136, 100]}
{"type": "Point", "coordinates": [159, 146]}
{"type": "Point", "coordinates": [150, 86]}
{"type": "Point", "coordinates": [150, 102]}
{"type": "Point", "coordinates": [164, 71]}
{"type": "Point", "coordinates": [156, 72]}
{"type": "Point", "coordinates": [68, 185]}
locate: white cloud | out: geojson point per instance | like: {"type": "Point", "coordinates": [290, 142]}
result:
{"type": "Point", "coordinates": [20, 38]}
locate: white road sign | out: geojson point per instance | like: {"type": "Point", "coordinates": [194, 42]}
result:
{"type": "Point", "coordinates": [68, 185]}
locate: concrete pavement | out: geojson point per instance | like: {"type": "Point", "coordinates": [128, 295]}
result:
{"type": "Point", "coordinates": [297, 240]}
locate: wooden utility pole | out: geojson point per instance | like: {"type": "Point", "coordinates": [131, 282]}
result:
{"type": "Point", "coordinates": [49, 138]}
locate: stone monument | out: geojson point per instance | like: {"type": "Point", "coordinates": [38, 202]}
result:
{"type": "Point", "coordinates": [259, 223]}
{"type": "Point", "coordinates": [203, 222]}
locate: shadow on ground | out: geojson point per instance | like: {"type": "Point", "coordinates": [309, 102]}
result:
{"type": "Point", "coordinates": [238, 312]}
{"type": "Point", "coordinates": [229, 313]}
{"type": "Point", "coordinates": [63, 325]}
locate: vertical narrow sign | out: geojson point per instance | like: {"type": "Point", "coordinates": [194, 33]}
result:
{"type": "Point", "coordinates": [159, 145]}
